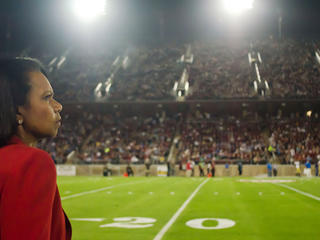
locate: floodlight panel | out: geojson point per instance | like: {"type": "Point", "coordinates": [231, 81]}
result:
{"type": "Point", "coordinates": [237, 6]}
{"type": "Point", "coordinates": [309, 113]}
{"type": "Point", "coordinates": [88, 10]}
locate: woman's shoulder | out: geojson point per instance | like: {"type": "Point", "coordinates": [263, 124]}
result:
{"type": "Point", "coordinates": [20, 155]}
{"type": "Point", "coordinates": [37, 155]}
{"type": "Point", "coordinates": [22, 148]}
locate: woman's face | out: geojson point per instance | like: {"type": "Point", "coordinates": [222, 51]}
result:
{"type": "Point", "coordinates": [41, 113]}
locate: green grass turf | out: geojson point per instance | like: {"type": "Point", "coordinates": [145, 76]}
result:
{"type": "Point", "coordinates": [260, 210]}
{"type": "Point", "coordinates": [309, 185]}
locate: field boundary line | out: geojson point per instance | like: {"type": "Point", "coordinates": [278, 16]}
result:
{"type": "Point", "coordinates": [100, 189]}
{"type": "Point", "coordinates": [176, 215]}
{"type": "Point", "coordinates": [298, 191]}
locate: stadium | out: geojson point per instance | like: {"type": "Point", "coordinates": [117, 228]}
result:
{"type": "Point", "coordinates": [181, 119]}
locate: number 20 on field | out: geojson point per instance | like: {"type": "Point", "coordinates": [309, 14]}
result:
{"type": "Point", "coordinates": [142, 222]}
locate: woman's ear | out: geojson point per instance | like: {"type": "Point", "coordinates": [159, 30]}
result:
{"type": "Point", "coordinates": [19, 119]}
{"type": "Point", "coordinates": [19, 115]}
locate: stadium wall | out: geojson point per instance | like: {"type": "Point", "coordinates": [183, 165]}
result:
{"type": "Point", "coordinates": [140, 170]}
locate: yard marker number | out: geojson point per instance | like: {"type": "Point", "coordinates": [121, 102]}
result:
{"type": "Point", "coordinates": [222, 223]}
{"type": "Point", "coordinates": [88, 219]}
{"type": "Point", "coordinates": [131, 222]}
{"type": "Point", "coordinates": [143, 222]}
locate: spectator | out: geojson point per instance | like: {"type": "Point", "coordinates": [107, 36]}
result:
{"type": "Point", "coordinates": [129, 171]}
{"type": "Point", "coordinates": [269, 168]}
{"type": "Point", "coordinates": [308, 169]}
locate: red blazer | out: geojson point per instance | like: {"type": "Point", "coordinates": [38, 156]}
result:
{"type": "Point", "coordinates": [30, 204]}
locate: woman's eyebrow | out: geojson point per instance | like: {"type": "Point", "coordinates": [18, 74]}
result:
{"type": "Point", "coordinates": [48, 91]}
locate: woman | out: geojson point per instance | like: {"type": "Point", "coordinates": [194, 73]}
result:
{"type": "Point", "coordinates": [30, 204]}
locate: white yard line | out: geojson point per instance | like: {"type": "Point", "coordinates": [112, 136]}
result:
{"type": "Point", "coordinates": [176, 215]}
{"type": "Point", "coordinates": [99, 190]}
{"type": "Point", "coordinates": [298, 191]}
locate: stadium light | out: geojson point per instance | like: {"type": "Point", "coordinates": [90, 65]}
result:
{"type": "Point", "coordinates": [309, 113]}
{"type": "Point", "coordinates": [88, 10]}
{"type": "Point", "coordinates": [237, 6]}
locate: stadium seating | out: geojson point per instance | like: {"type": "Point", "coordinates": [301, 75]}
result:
{"type": "Point", "coordinates": [200, 136]}
{"type": "Point", "coordinates": [219, 71]}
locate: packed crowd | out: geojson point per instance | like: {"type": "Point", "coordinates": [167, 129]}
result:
{"type": "Point", "coordinates": [78, 76]}
{"type": "Point", "coordinates": [200, 137]}
{"type": "Point", "coordinates": [290, 67]}
{"type": "Point", "coordinates": [253, 140]}
{"type": "Point", "coordinates": [219, 71]}
{"type": "Point", "coordinates": [205, 138]}
{"type": "Point", "coordinates": [132, 140]}
{"type": "Point", "coordinates": [295, 139]}
{"type": "Point", "coordinates": [150, 76]}
{"type": "Point", "coordinates": [114, 138]}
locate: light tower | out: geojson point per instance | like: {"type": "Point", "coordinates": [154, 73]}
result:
{"type": "Point", "coordinates": [88, 10]}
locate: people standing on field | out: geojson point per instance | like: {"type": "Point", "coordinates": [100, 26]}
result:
{"type": "Point", "coordinates": [192, 168]}
{"type": "Point", "coordinates": [269, 169]}
{"type": "Point", "coordinates": [240, 167]}
{"type": "Point", "coordinates": [168, 168]}
{"type": "Point", "coordinates": [147, 164]}
{"type": "Point", "coordinates": [213, 168]}
{"type": "Point", "coordinates": [129, 171]}
{"type": "Point", "coordinates": [209, 168]}
{"type": "Point", "coordinates": [188, 169]}
{"type": "Point", "coordinates": [226, 166]}
{"type": "Point", "coordinates": [275, 170]}
{"type": "Point", "coordinates": [107, 169]}
{"type": "Point", "coordinates": [308, 169]}
{"type": "Point", "coordinates": [298, 170]}
{"type": "Point", "coordinates": [201, 168]}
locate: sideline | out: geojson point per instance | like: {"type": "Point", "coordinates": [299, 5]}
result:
{"type": "Point", "coordinates": [176, 215]}
{"type": "Point", "coordinates": [298, 191]}
{"type": "Point", "coordinates": [101, 189]}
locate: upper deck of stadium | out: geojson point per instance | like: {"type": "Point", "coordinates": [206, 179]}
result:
{"type": "Point", "coordinates": [170, 50]}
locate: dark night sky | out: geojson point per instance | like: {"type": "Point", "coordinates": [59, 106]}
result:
{"type": "Point", "coordinates": [38, 21]}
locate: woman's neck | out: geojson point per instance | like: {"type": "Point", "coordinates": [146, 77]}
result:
{"type": "Point", "coordinates": [26, 138]}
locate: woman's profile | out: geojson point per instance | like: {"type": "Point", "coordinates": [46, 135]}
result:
{"type": "Point", "coordinates": [30, 204]}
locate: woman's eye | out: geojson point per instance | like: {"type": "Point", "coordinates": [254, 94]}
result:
{"type": "Point", "coordinates": [48, 96]}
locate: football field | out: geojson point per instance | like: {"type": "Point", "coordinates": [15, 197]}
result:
{"type": "Point", "coordinates": [141, 208]}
